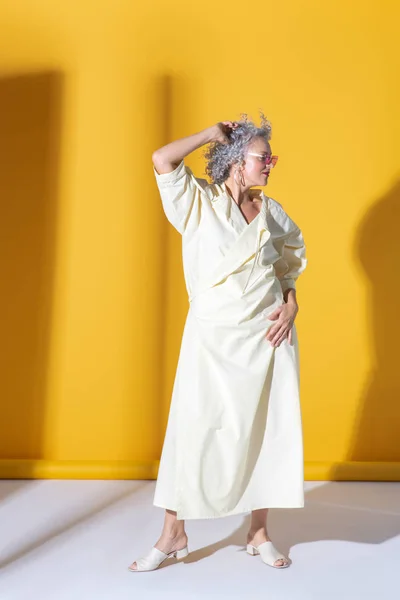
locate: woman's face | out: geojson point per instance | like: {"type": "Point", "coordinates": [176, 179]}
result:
{"type": "Point", "coordinates": [255, 169]}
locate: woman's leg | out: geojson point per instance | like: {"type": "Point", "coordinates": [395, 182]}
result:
{"type": "Point", "coordinates": [258, 533]}
{"type": "Point", "coordinates": [173, 536]}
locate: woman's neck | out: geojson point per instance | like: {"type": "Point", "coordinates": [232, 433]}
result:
{"type": "Point", "coordinates": [238, 193]}
{"type": "Point", "coordinates": [241, 195]}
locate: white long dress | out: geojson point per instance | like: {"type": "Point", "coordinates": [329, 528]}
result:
{"type": "Point", "coordinates": [234, 437]}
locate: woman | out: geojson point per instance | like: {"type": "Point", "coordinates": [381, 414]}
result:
{"type": "Point", "coordinates": [234, 441]}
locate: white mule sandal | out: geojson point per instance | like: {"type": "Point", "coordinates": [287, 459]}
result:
{"type": "Point", "coordinates": [269, 554]}
{"type": "Point", "coordinates": [155, 557]}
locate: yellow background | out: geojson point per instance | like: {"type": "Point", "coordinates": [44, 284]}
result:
{"type": "Point", "coordinates": [93, 300]}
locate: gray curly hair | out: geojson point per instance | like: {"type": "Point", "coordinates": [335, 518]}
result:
{"type": "Point", "coordinates": [220, 157]}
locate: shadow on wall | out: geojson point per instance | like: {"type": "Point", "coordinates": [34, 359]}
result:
{"type": "Point", "coordinates": [173, 296]}
{"type": "Point", "coordinates": [30, 119]}
{"type": "Point", "coordinates": [162, 91]}
{"type": "Point", "coordinates": [377, 425]}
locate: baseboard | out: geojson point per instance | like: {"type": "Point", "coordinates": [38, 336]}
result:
{"type": "Point", "coordinates": [70, 469]}
{"type": "Point", "coordinates": [78, 469]}
{"type": "Point", "coordinates": [352, 471]}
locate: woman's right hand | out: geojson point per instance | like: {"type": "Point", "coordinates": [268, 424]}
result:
{"type": "Point", "coordinates": [168, 157]}
{"type": "Point", "coordinates": [221, 130]}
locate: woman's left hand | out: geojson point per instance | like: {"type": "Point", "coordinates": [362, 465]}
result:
{"type": "Point", "coordinates": [285, 315]}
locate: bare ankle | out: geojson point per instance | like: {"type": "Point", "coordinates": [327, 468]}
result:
{"type": "Point", "coordinates": [173, 528]}
{"type": "Point", "coordinates": [257, 533]}
{"type": "Point", "coordinates": [173, 534]}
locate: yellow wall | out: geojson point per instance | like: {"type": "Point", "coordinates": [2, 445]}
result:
{"type": "Point", "coordinates": [93, 300]}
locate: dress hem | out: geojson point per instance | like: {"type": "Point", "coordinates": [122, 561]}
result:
{"type": "Point", "coordinates": [226, 514]}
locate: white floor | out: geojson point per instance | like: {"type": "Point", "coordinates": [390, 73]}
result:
{"type": "Point", "coordinates": [73, 540]}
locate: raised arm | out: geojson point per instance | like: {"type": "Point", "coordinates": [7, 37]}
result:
{"type": "Point", "coordinates": [167, 158]}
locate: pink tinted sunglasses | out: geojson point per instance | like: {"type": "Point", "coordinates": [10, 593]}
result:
{"type": "Point", "coordinates": [265, 158]}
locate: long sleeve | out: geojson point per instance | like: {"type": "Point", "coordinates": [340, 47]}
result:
{"type": "Point", "coordinates": [294, 254]}
{"type": "Point", "coordinates": [180, 193]}
{"type": "Point", "coordinates": [288, 241]}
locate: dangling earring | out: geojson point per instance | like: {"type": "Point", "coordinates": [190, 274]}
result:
{"type": "Point", "coordinates": [234, 176]}
{"type": "Point", "coordinates": [242, 181]}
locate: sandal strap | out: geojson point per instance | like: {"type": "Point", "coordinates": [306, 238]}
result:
{"type": "Point", "coordinates": [151, 561]}
{"type": "Point", "coordinates": [270, 554]}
